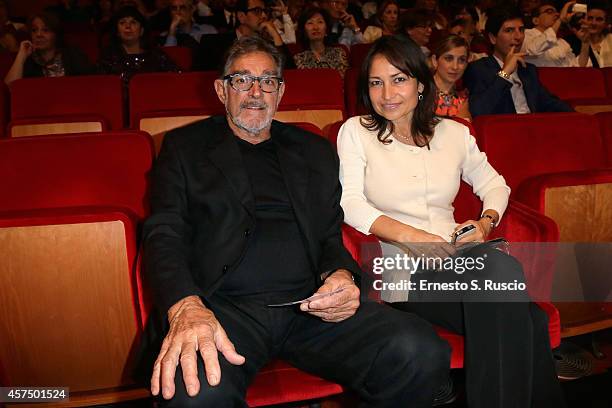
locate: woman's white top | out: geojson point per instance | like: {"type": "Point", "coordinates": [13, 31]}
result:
{"type": "Point", "coordinates": [410, 184]}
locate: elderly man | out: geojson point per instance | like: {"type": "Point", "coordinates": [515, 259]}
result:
{"type": "Point", "coordinates": [245, 214]}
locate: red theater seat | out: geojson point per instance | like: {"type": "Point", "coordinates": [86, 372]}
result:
{"type": "Point", "coordinates": [557, 164]}
{"type": "Point", "coordinates": [312, 95]}
{"type": "Point", "coordinates": [350, 93]}
{"type": "Point", "coordinates": [61, 171]}
{"type": "Point", "coordinates": [605, 123]}
{"type": "Point", "coordinates": [358, 54]}
{"type": "Point", "coordinates": [68, 226]}
{"type": "Point", "coordinates": [583, 88]}
{"type": "Point", "coordinates": [66, 105]}
{"type": "Point", "coordinates": [181, 56]}
{"type": "Point", "coordinates": [165, 101]}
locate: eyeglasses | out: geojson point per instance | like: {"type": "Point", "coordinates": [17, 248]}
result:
{"type": "Point", "coordinates": [258, 10]}
{"type": "Point", "coordinates": [244, 82]}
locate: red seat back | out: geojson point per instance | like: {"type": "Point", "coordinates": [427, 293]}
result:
{"type": "Point", "coordinates": [181, 56]}
{"type": "Point", "coordinates": [171, 92]}
{"type": "Point", "coordinates": [86, 40]}
{"type": "Point", "coordinates": [358, 54]}
{"type": "Point", "coordinates": [351, 79]}
{"type": "Point", "coordinates": [605, 123]}
{"type": "Point", "coordinates": [104, 169]}
{"type": "Point", "coordinates": [37, 98]}
{"type": "Point", "coordinates": [521, 146]}
{"type": "Point", "coordinates": [573, 83]}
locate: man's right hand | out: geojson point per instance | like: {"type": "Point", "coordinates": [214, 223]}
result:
{"type": "Point", "coordinates": [512, 60]}
{"type": "Point", "coordinates": [193, 327]}
{"type": "Point", "coordinates": [176, 21]}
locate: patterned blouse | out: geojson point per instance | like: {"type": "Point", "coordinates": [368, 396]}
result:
{"type": "Point", "coordinates": [333, 57]}
{"type": "Point", "coordinates": [448, 105]}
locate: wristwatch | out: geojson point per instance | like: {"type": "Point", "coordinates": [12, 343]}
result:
{"type": "Point", "coordinates": [492, 219]}
{"type": "Point", "coordinates": [504, 74]}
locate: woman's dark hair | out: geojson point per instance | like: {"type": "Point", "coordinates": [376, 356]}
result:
{"type": "Point", "coordinates": [129, 11]}
{"type": "Point", "coordinates": [405, 55]}
{"type": "Point", "coordinates": [53, 23]}
{"type": "Point", "coordinates": [306, 15]}
{"type": "Point", "coordinates": [447, 43]}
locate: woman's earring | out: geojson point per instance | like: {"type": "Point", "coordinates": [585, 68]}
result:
{"type": "Point", "coordinates": [420, 96]}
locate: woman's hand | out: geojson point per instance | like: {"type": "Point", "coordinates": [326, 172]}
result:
{"type": "Point", "coordinates": [422, 243]}
{"type": "Point", "coordinates": [25, 49]}
{"type": "Point", "coordinates": [480, 234]}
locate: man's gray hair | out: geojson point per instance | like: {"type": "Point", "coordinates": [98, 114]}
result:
{"type": "Point", "coordinates": [250, 44]}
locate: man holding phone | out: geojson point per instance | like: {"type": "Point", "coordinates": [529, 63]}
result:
{"type": "Point", "coordinates": [344, 29]}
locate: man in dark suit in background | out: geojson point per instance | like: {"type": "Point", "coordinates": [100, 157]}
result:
{"type": "Point", "coordinates": [246, 213]}
{"type": "Point", "coordinates": [504, 82]}
{"type": "Point", "coordinates": [252, 20]}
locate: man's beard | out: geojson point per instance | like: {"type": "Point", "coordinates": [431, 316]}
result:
{"type": "Point", "coordinates": [253, 126]}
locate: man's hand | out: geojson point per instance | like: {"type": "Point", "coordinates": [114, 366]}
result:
{"type": "Point", "coordinates": [176, 22]}
{"type": "Point", "coordinates": [268, 28]}
{"type": "Point", "coordinates": [348, 20]}
{"type": "Point", "coordinates": [512, 61]}
{"type": "Point", "coordinates": [339, 306]}
{"type": "Point", "coordinates": [193, 327]}
{"type": "Point", "coordinates": [483, 229]}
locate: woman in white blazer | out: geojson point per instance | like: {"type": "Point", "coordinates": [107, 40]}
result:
{"type": "Point", "coordinates": [400, 169]}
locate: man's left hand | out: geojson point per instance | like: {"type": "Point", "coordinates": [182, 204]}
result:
{"type": "Point", "coordinates": [339, 306]}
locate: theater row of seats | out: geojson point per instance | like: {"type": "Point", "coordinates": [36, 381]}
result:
{"type": "Point", "coordinates": [69, 238]}
{"type": "Point", "coordinates": [160, 101]}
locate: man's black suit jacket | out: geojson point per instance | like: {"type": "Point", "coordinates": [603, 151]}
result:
{"type": "Point", "coordinates": [202, 208]}
{"type": "Point", "coordinates": [490, 94]}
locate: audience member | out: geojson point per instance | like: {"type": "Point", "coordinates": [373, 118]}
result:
{"type": "Point", "coordinates": [400, 169]}
{"type": "Point", "coordinates": [9, 30]}
{"type": "Point", "coordinates": [417, 24]}
{"type": "Point", "coordinates": [183, 30]}
{"type": "Point", "coordinates": [283, 22]}
{"type": "Point", "coordinates": [224, 18]}
{"type": "Point", "coordinates": [482, 6]}
{"type": "Point", "coordinates": [45, 55]}
{"type": "Point", "coordinates": [253, 21]}
{"type": "Point", "coordinates": [160, 18]}
{"type": "Point", "coordinates": [386, 22]}
{"type": "Point", "coordinates": [344, 28]}
{"type": "Point", "coordinates": [130, 52]}
{"type": "Point", "coordinates": [541, 45]}
{"type": "Point", "coordinates": [70, 11]}
{"type": "Point", "coordinates": [439, 21]}
{"type": "Point", "coordinates": [245, 213]}
{"type": "Point", "coordinates": [528, 7]}
{"type": "Point", "coordinates": [504, 82]}
{"type": "Point", "coordinates": [449, 59]}
{"type": "Point", "coordinates": [313, 30]}
{"type": "Point", "coordinates": [598, 20]}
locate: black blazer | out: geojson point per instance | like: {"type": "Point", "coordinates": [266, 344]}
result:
{"type": "Point", "coordinates": [202, 208]}
{"type": "Point", "coordinates": [490, 94]}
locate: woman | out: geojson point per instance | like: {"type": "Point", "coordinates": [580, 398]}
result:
{"type": "Point", "coordinates": [129, 52]}
{"type": "Point", "coordinates": [400, 169]}
{"type": "Point", "coordinates": [313, 33]}
{"type": "Point", "coordinates": [449, 59]}
{"type": "Point", "coordinates": [418, 25]}
{"type": "Point", "coordinates": [45, 55]}
{"type": "Point", "coordinates": [599, 35]}
{"type": "Point", "coordinates": [386, 19]}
